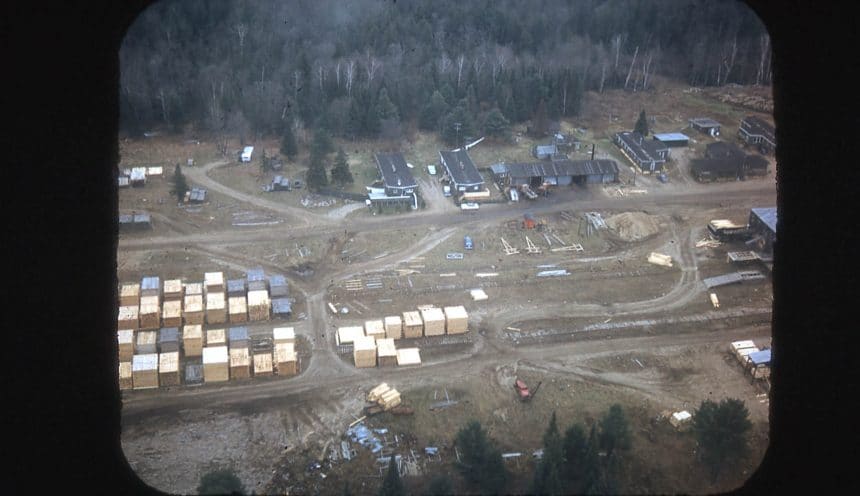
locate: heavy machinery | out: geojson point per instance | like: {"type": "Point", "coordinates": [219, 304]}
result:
{"type": "Point", "coordinates": [523, 390]}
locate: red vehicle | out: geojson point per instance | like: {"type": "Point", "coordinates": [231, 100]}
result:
{"type": "Point", "coordinates": [523, 390]}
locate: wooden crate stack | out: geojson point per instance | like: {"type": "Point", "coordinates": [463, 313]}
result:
{"type": "Point", "coordinates": [193, 289]}
{"type": "Point", "coordinates": [393, 327]}
{"type": "Point", "coordinates": [216, 364]}
{"type": "Point", "coordinates": [364, 351]}
{"type": "Point", "coordinates": [259, 305]}
{"type": "Point", "coordinates": [237, 337]}
{"type": "Point", "coordinates": [171, 314]}
{"type": "Point", "coordinates": [128, 317]}
{"type": "Point", "coordinates": [456, 320]}
{"type": "Point", "coordinates": [125, 340]}
{"type": "Point", "coordinates": [192, 340]}
{"type": "Point", "coordinates": [168, 339]}
{"type": "Point", "coordinates": [173, 290]}
{"type": "Point", "coordinates": [374, 328]}
{"type": "Point", "coordinates": [348, 335]}
{"type": "Point", "coordinates": [236, 287]}
{"type": "Point", "coordinates": [434, 321]}
{"type": "Point", "coordinates": [150, 312]}
{"type": "Point", "coordinates": [216, 308]}
{"type": "Point", "coordinates": [213, 282]}
{"type": "Point", "coordinates": [150, 286]}
{"type": "Point", "coordinates": [408, 357]}
{"type": "Point", "coordinates": [238, 309]}
{"type": "Point", "coordinates": [283, 335]}
{"type": "Point", "coordinates": [385, 396]}
{"type": "Point", "coordinates": [193, 309]}
{"type": "Point", "coordinates": [386, 352]}
{"type": "Point", "coordinates": [168, 368]}
{"type": "Point", "coordinates": [216, 337]}
{"type": "Point", "coordinates": [144, 371]}
{"type": "Point", "coordinates": [125, 376]}
{"type": "Point", "coordinates": [146, 343]}
{"type": "Point", "coordinates": [263, 363]}
{"type": "Point", "coordinates": [240, 363]}
{"type": "Point", "coordinates": [286, 359]}
{"type": "Point", "coordinates": [413, 326]}
{"type": "Point", "coordinates": [129, 294]}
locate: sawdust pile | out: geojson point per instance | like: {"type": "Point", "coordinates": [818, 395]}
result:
{"type": "Point", "coordinates": [633, 226]}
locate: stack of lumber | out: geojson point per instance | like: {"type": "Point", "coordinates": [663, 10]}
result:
{"type": "Point", "coordinates": [286, 360]}
{"type": "Point", "coordinates": [213, 282]}
{"type": "Point", "coordinates": [125, 379]}
{"type": "Point", "coordinates": [478, 294]}
{"type": "Point", "coordinates": [238, 309]}
{"type": "Point", "coordinates": [125, 340]}
{"type": "Point", "coordinates": [364, 352]}
{"type": "Point", "coordinates": [127, 318]}
{"type": "Point", "coordinates": [193, 309]}
{"type": "Point", "coordinates": [257, 286]}
{"type": "Point", "coordinates": [660, 259]}
{"type": "Point", "coordinates": [374, 328]}
{"type": "Point", "coordinates": [129, 294]}
{"type": "Point", "coordinates": [173, 290]}
{"type": "Point", "coordinates": [259, 305]}
{"type": "Point", "coordinates": [216, 308]}
{"type": "Point", "coordinates": [284, 335]}
{"type": "Point", "coordinates": [144, 371]}
{"type": "Point", "coordinates": [434, 321]}
{"type": "Point", "coordinates": [236, 287]}
{"type": "Point", "coordinates": [193, 288]}
{"type": "Point", "coordinates": [348, 335]}
{"type": "Point", "coordinates": [393, 327]}
{"type": "Point", "coordinates": [237, 337]}
{"type": "Point", "coordinates": [408, 356]}
{"type": "Point", "coordinates": [413, 326]}
{"type": "Point", "coordinates": [216, 337]}
{"type": "Point", "coordinates": [146, 342]}
{"type": "Point", "coordinates": [168, 339]}
{"type": "Point", "coordinates": [192, 340]}
{"type": "Point", "coordinates": [375, 393]}
{"type": "Point", "coordinates": [456, 320]}
{"type": "Point", "coordinates": [240, 363]}
{"type": "Point", "coordinates": [278, 287]}
{"type": "Point", "coordinates": [150, 312]}
{"type": "Point", "coordinates": [171, 314]}
{"type": "Point", "coordinates": [384, 396]}
{"type": "Point", "coordinates": [216, 364]}
{"type": "Point", "coordinates": [168, 368]}
{"type": "Point", "coordinates": [150, 286]}
{"type": "Point", "coordinates": [737, 347]}
{"type": "Point", "coordinates": [263, 364]}
{"type": "Point", "coordinates": [386, 352]}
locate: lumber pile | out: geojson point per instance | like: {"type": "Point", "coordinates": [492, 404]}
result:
{"type": "Point", "coordinates": [413, 326]}
{"type": "Point", "coordinates": [286, 359]}
{"type": "Point", "coordinates": [283, 335]}
{"type": "Point", "coordinates": [374, 328]}
{"type": "Point", "coordinates": [393, 327]}
{"type": "Point", "coordinates": [150, 312]}
{"type": "Point", "coordinates": [168, 368]}
{"type": "Point", "coordinates": [263, 364]}
{"type": "Point", "coordinates": [193, 288]}
{"type": "Point", "coordinates": [240, 363]}
{"type": "Point", "coordinates": [238, 309]}
{"type": "Point", "coordinates": [386, 352]}
{"type": "Point", "coordinates": [193, 309]}
{"type": "Point", "coordinates": [150, 286]}
{"type": "Point", "coordinates": [127, 318]}
{"type": "Point", "coordinates": [144, 371]}
{"type": "Point", "coordinates": [168, 339]}
{"type": "Point", "coordinates": [237, 337]}
{"type": "Point", "coordinates": [216, 361]}
{"type": "Point", "coordinates": [129, 294]}
{"type": "Point", "coordinates": [278, 287]}
{"type": "Point", "coordinates": [213, 282]}
{"type": "Point", "coordinates": [364, 351]}
{"type": "Point", "coordinates": [742, 349]}
{"type": "Point", "coordinates": [434, 321]}
{"type": "Point", "coordinates": [385, 396]}
{"type": "Point", "coordinates": [171, 314]}
{"type": "Point", "coordinates": [236, 287]}
{"type": "Point", "coordinates": [216, 308]}
{"type": "Point", "coordinates": [173, 290]}
{"type": "Point", "coordinates": [660, 259]}
{"type": "Point", "coordinates": [348, 335]}
{"type": "Point", "coordinates": [478, 294]}
{"type": "Point", "coordinates": [125, 340]}
{"type": "Point", "coordinates": [216, 337]}
{"type": "Point", "coordinates": [456, 320]}
{"type": "Point", "coordinates": [146, 342]}
{"type": "Point", "coordinates": [259, 305]}
{"type": "Point", "coordinates": [125, 379]}
{"type": "Point", "coordinates": [192, 340]}
{"type": "Point", "coordinates": [408, 356]}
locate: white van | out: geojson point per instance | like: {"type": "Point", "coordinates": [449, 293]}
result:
{"type": "Point", "coordinates": [246, 154]}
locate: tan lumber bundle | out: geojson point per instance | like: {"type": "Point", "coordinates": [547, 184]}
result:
{"type": "Point", "coordinates": [286, 360]}
{"type": "Point", "coordinates": [263, 364]}
{"type": "Point", "coordinates": [478, 294]}
{"type": "Point", "coordinates": [144, 371]}
{"type": "Point", "coordinates": [216, 337]}
{"type": "Point", "coordinates": [193, 309]}
{"type": "Point", "coordinates": [171, 315]}
{"type": "Point", "coordinates": [193, 288]}
{"type": "Point", "coordinates": [240, 363]}
{"type": "Point", "coordinates": [216, 308]}
{"type": "Point", "coordinates": [146, 342]}
{"type": "Point", "coordinates": [364, 352]}
{"type": "Point", "coordinates": [386, 352]}
{"type": "Point", "coordinates": [150, 312]}
{"type": "Point", "coordinates": [413, 326]}
{"type": "Point", "coordinates": [374, 328]}
{"type": "Point", "coordinates": [408, 356]}
{"type": "Point", "coordinates": [192, 340]}
{"type": "Point", "coordinates": [125, 340]}
{"type": "Point", "coordinates": [168, 369]}
{"type": "Point", "coordinates": [389, 399]}
{"type": "Point", "coordinates": [348, 335]}
{"type": "Point", "coordinates": [238, 309]}
{"type": "Point", "coordinates": [283, 335]}
{"type": "Point", "coordinates": [393, 327]}
{"type": "Point", "coordinates": [456, 320]}
{"type": "Point", "coordinates": [129, 294]}
{"type": "Point", "coordinates": [128, 317]}
{"type": "Point", "coordinates": [660, 259]}
{"type": "Point", "coordinates": [216, 364]}
{"type": "Point", "coordinates": [172, 289]}
{"type": "Point", "coordinates": [374, 394]}
{"type": "Point", "coordinates": [434, 321]}
{"type": "Point", "coordinates": [259, 305]}
{"type": "Point", "coordinates": [737, 346]}
{"type": "Point", "coordinates": [125, 380]}
{"type": "Point", "coordinates": [213, 282]}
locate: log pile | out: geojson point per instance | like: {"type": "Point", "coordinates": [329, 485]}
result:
{"type": "Point", "coordinates": [384, 396]}
{"type": "Point", "coordinates": [168, 339]}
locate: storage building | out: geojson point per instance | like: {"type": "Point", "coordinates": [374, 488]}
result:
{"type": "Point", "coordinates": [168, 339]}
{"type": "Point", "coordinates": [706, 125]}
{"type": "Point", "coordinates": [125, 375]}
{"type": "Point", "coordinates": [648, 155]}
{"type": "Point", "coordinates": [236, 287]}
{"type": "Point", "coordinates": [150, 286]}
{"type": "Point", "coordinates": [237, 337]}
{"type": "Point", "coordinates": [192, 311]}
{"type": "Point", "coordinates": [286, 359]}
{"type": "Point", "coordinates": [171, 314]}
{"type": "Point", "coordinates": [147, 342]}
{"type": "Point", "coordinates": [413, 326]}
{"type": "Point", "coordinates": [283, 335]}
{"type": "Point", "coordinates": [192, 340]}
{"type": "Point", "coordinates": [386, 352]}
{"type": "Point", "coordinates": [259, 305]}
{"type": "Point", "coordinates": [129, 294]}
{"type": "Point", "coordinates": [558, 173]}
{"type": "Point", "coordinates": [173, 290]}
{"type": "Point", "coordinates": [263, 364]}
{"type": "Point", "coordinates": [213, 282]}
{"type": "Point", "coordinates": [150, 312]}
{"type": "Point", "coordinates": [168, 369]}
{"type": "Point", "coordinates": [144, 371]}
{"type": "Point", "coordinates": [434, 321]}
{"type": "Point", "coordinates": [238, 309]}
{"type": "Point", "coordinates": [216, 364]}
{"type": "Point", "coordinates": [756, 131]}
{"type": "Point", "coordinates": [216, 337]}
{"type": "Point", "coordinates": [348, 335]}
{"type": "Point", "coordinates": [216, 308]}
{"type": "Point", "coordinates": [408, 356]}
{"type": "Point", "coordinates": [364, 351]}
{"type": "Point", "coordinates": [240, 363]}
{"type": "Point", "coordinates": [125, 342]}
{"type": "Point", "coordinates": [461, 171]}
{"type": "Point", "coordinates": [673, 139]}
{"type": "Point", "coordinates": [393, 327]}
{"type": "Point", "coordinates": [762, 224]}
{"type": "Point", "coordinates": [127, 318]}
{"type": "Point", "coordinates": [282, 307]}
{"type": "Point", "coordinates": [456, 320]}
{"type": "Point", "coordinates": [374, 328]}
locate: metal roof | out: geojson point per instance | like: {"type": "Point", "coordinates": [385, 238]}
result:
{"type": "Point", "coordinates": [126, 218]}
{"type": "Point", "coordinates": [723, 149]}
{"type": "Point", "coordinates": [395, 173]}
{"type": "Point", "coordinates": [671, 137]}
{"type": "Point", "coordinates": [760, 357]}
{"type": "Point", "coordinates": [561, 168]}
{"type": "Point", "coordinates": [644, 150]}
{"type": "Point", "coordinates": [767, 216]}
{"type": "Point", "coordinates": [546, 149]}
{"type": "Point", "coordinates": [281, 306]}
{"type": "Point", "coordinates": [142, 218]}
{"type": "Point", "coordinates": [460, 167]}
{"type": "Point", "coordinates": [150, 283]}
{"type": "Point", "coordinates": [704, 122]}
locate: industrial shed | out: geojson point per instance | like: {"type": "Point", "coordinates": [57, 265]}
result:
{"type": "Point", "coordinates": [544, 152]}
{"type": "Point", "coordinates": [762, 223]}
{"type": "Point", "coordinates": [705, 125]}
{"type": "Point", "coordinates": [561, 173]}
{"type": "Point", "coordinates": [648, 155]}
{"type": "Point", "coordinates": [673, 139]}
{"type": "Point", "coordinates": [727, 161]}
{"type": "Point", "coordinates": [462, 172]}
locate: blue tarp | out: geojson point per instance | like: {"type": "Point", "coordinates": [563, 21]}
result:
{"type": "Point", "coordinates": [236, 286]}
{"type": "Point", "coordinates": [760, 357]}
{"type": "Point", "coordinates": [364, 436]}
{"type": "Point", "coordinates": [282, 306]}
{"type": "Point", "coordinates": [150, 283]}
{"type": "Point", "coordinates": [256, 274]}
{"type": "Point", "coordinates": [238, 334]}
{"type": "Point", "coordinates": [168, 335]}
{"type": "Point", "coordinates": [671, 137]}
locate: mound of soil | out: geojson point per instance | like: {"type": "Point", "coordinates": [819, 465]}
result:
{"type": "Point", "coordinates": [633, 226]}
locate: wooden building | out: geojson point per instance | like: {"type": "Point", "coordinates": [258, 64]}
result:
{"type": "Point", "coordinates": [705, 125]}
{"type": "Point", "coordinates": [756, 131]}
{"type": "Point", "coordinates": [461, 171]}
{"type": "Point", "coordinates": [648, 155]}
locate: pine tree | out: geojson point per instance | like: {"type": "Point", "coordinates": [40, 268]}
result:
{"type": "Point", "coordinates": [432, 112]}
{"type": "Point", "coordinates": [180, 185]}
{"type": "Point", "coordinates": [392, 485]}
{"type": "Point", "coordinates": [385, 108]}
{"type": "Point", "coordinates": [574, 447]}
{"type": "Point", "coordinates": [222, 481]}
{"type": "Point", "coordinates": [720, 429]}
{"type": "Point", "coordinates": [288, 143]}
{"type": "Point", "coordinates": [591, 463]}
{"type": "Point", "coordinates": [317, 177]}
{"type": "Point", "coordinates": [265, 162]}
{"type": "Point", "coordinates": [547, 479]}
{"type": "Point", "coordinates": [495, 124]}
{"type": "Point", "coordinates": [340, 173]}
{"type": "Point", "coordinates": [614, 430]}
{"type": "Point", "coordinates": [440, 486]}
{"type": "Point", "coordinates": [480, 462]}
{"type": "Point", "coordinates": [321, 144]}
{"type": "Point", "coordinates": [642, 124]}
{"type": "Point", "coordinates": [540, 122]}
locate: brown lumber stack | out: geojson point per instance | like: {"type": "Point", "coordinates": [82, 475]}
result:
{"type": "Point", "coordinates": [168, 368]}
{"type": "Point", "coordinates": [216, 308]}
{"type": "Point", "coordinates": [146, 342]}
{"type": "Point", "coordinates": [128, 317]}
{"type": "Point", "coordinates": [259, 305]}
{"type": "Point", "coordinates": [125, 340]}
{"type": "Point", "coordinates": [386, 352]}
{"type": "Point", "coordinates": [171, 315]}
{"type": "Point", "coordinates": [213, 282]}
{"type": "Point", "coordinates": [286, 360]}
{"type": "Point", "coordinates": [374, 328]}
{"type": "Point", "coordinates": [125, 379]}
{"type": "Point", "coordinates": [129, 294]}
{"type": "Point", "coordinates": [364, 351]}
{"type": "Point", "coordinates": [240, 363]}
{"type": "Point", "coordinates": [434, 321]}
{"type": "Point", "coordinates": [263, 364]}
{"type": "Point", "coordinates": [192, 340]}
{"type": "Point", "coordinates": [144, 371]}
{"type": "Point", "coordinates": [150, 312]}
{"type": "Point", "coordinates": [216, 364]}
{"type": "Point", "coordinates": [283, 335]}
{"type": "Point", "coordinates": [216, 337]}
{"type": "Point", "coordinates": [413, 326]}
{"type": "Point", "coordinates": [193, 310]}
{"type": "Point", "coordinates": [408, 356]}
{"type": "Point", "coordinates": [238, 309]}
{"type": "Point", "coordinates": [393, 327]}
{"type": "Point", "coordinates": [456, 320]}
{"type": "Point", "coordinates": [173, 290]}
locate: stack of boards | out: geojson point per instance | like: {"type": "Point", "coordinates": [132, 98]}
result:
{"type": "Point", "coordinates": [384, 396]}
{"type": "Point", "coordinates": [375, 350]}
{"type": "Point", "coordinates": [742, 349]}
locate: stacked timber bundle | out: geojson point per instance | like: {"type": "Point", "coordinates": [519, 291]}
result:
{"type": "Point", "coordinates": [173, 290]}
{"type": "Point", "coordinates": [238, 309]}
{"type": "Point", "coordinates": [282, 308]}
{"type": "Point", "coordinates": [408, 356]}
{"type": "Point", "coordinates": [278, 287]}
{"type": "Point", "coordinates": [385, 396]}
{"type": "Point", "coordinates": [386, 352]}
{"type": "Point", "coordinates": [150, 312]}
{"type": "Point", "coordinates": [236, 287]}
{"type": "Point", "coordinates": [192, 340]}
{"type": "Point", "coordinates": [240, 363]}
{"type": "Point", "coordinates": [168, 368]}
{"type": "Point", "coordinates": [216, 364]}
{"type": "Point", "coordinates": [434, 321]}
{"type": "Point", "coordinates": [263, 364]}
{"type": "Point", "coordinates": [259, 305]}
{"type": "Point", "coordinates": [193, 288]}
{"type": "Point", "coordinates": [374, 328]}
{"type": "Point", "coordinates": [237, 337]}
{"type": "Point", "coordinates": [168, 340]}
{"type": "Point", "coordinates": [144, 371]}
{"type": "Point", "coordinates": [127, 318]}
{"type": "Point", "coordinates": [740, 349]}
{"type": "Point", "coordinates": [286, 360]}
{"type": "Point", "coordinates": [413, 326]}
{"type": "Point", "coordinates": [213, 282]}
{"type": "Point", "coordinates": [456, 320]}
{"type": "Point", "coordinates": [125, 340]}
{"type": "Point", "coordinates": [146, 342]}
{"type": "Point", "coordinates": [375, 393]}
{"type": "Point", "coordinates": [257, 274]}
{"type": "Point", "coordinates": [125, 379]}
{"type": "Point", "coordinates": [393, 327]}
{"type": "Point", "coordinates": [171, 314]}
{"type": "Point", "coordinates": [129, 294]}
{"type": "Point", "coordinates": [150, 286]}
{"type": "Point", "coordinates": [216, 337]}
{"type": "Point", "coordinates": [257, 286]}
{"type": "Point", "coordinates": [193, 309]}
{"type": "Point", "coordinates": [348, 335]}
{"type": "Point", "coordinates": [284, 335]}
{"type": "Point", "coordinates": [216, 308]}
{"type": "Point", "coordinates": [364, 351]}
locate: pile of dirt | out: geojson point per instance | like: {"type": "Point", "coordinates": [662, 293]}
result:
{"type": "Point", "coordinates": [633, 226]}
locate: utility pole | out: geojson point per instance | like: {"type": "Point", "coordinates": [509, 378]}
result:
{"type": "Point", "coordinates": [457, 128]}
{"type": "Point", "coordinates": [592, 151]}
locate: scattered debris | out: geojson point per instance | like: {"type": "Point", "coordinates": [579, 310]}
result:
{"type": "Point", "coordinates": [509, 250]}
{"type": "Point", "coordinates": [732, 277]}
{"type": "Point", "coordinates": [486, 274]}
{"type": "Point", "coordinates": [454, 256]}
{"type": "Point", "coordinates": [531, 247]}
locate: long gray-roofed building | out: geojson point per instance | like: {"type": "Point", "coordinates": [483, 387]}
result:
{"type": "Point", "coordinates": [559, 173]}
{"type": "Point", "coordinates": [756, 131]}
{"type": "Point", "coordinates": [763, 225]}
{"type": "Point", "coordinates": [461, 171]}
{"type": "Point", "coordinates": [648, 155]}
{"type": "Point", "coordinates": [396, 177]}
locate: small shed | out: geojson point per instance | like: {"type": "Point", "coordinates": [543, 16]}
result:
{"type": "Point", "coordinates": [680, 419]}
{"type": "Point", "coordinates": [286, 359]}
{"type": "Point", "coordinates": [216, 364]}
{"type": "Point", "coordinates": [705, 125]}
{"type": "Point", "coordinates": [544, 152]}
{"type": "Point", "coordinates": [284, 335]}
{"type": "Point", "coordinates": [168, 368]}
{"type": "Point", "coordinates": [673, 139]}
{"type": "Point", "coordinates": [393, 327]}
{"type": "Point", "coordinates": [137, 177]}
{"type": "Point", "coordinates": [282, 307]}
{"type": "Point", "coordinates": [434, 321]}
{"type": "Point", "coordinates": [144, 371]}
{"type": "Point", "coordinates": [192, 340]}
{"type": "Point", "coordinates": [168, 340]}
{"type": "Point", "coordinates": [123, 182]}
{"type": "Point", "coordinates": [413, 326]}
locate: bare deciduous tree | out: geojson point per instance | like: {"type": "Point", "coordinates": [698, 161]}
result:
{"type": "Point", "coordinates": [350, 76]}
{"type": "Point", "coordinates": [630, 71]}
{"type": "Point", "coordinates": [241, 31]}
{"type": "Point", "coordinates": [461, 60]}
{"type": "Point", "coordinates": [371, 66]}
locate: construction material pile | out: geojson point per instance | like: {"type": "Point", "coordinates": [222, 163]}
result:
{"type": "Point", "coordinates": [456, 320]}
{"type": "Point", "coordinates": [633, 226]}
{"type": "Point", "coordinates": [384, 396]}
{"type": "Point", "coordinates": [364, 351]}
{"type": "Point", "coordinates": [393, 327]}
{"type": "Point", "coordinates": [286, 360]}
{"type": "Point", "coordinates": [216, 364]}
{"type": "Point", "coordinates": [259, 304]}
{"type": "Point", "coordinates": [434, 321]}
{"type": "Point", "coordinates": [238, 309]}
{"type": "Point", "coordinates": [386, 352]}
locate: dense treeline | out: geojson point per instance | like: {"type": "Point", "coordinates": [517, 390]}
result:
{"type": "Point", "coordinates": [366, 68]}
